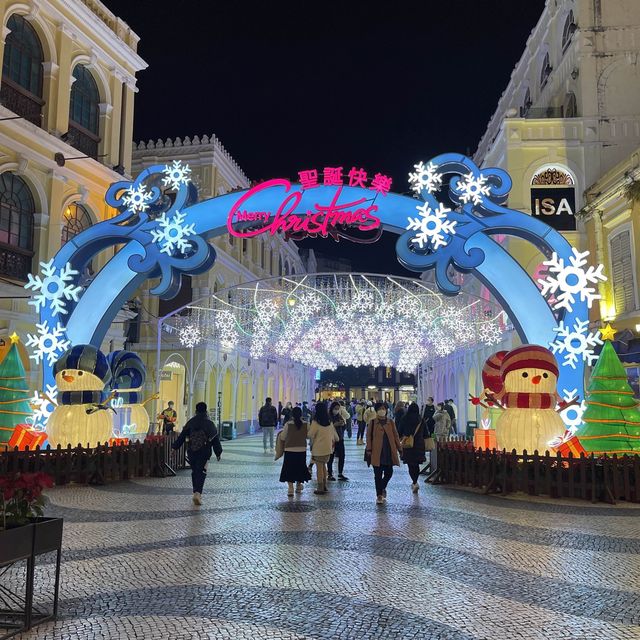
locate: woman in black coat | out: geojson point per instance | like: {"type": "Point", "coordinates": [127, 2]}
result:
{"type": "Point", "coordinates": [412, 425]}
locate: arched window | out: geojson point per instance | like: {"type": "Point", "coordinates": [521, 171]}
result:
{"type": "Point", "coordinates": [568, 30]}
{"type": "Point", "coordinates": [75, 219]}
{"type": "Point", "coordinates": [84, 112]}
{"type": "Point", "coordinates": [22, 71]}
{"type": "Point", "coordinates": [526, 103]}
{"type": "Point", "coordinates": [16, 226]}
{"type": "Point", "coordinates": [280, 271]}
{"type": "Point", "coordinates": [545, 70]}
{"type": "Point", "coordinates": [286, 268]}
{"type": "Point", "coordinates": [570, 106]}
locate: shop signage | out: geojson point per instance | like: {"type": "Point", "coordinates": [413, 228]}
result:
{"type": "Point", "coordinates": [340, 216]}
{"type": "Point", "coordinates": [556, 206]}
{"type": "Point", "coordinates": [165, 375]}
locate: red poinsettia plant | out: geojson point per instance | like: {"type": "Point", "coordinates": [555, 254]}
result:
{"type": "Point", "coordinates": [21, 497]}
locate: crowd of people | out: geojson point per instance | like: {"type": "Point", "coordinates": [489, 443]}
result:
{"type": "Point", "coordinates": [389, 434]}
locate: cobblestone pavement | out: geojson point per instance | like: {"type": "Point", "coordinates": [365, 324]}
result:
{"type": "Point", "coordinates": [140, 561]}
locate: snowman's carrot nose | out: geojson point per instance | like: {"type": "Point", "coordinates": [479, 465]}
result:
{"type": "Point", "coordinates": [536, 379]}
{"type": "Point", "coordinates": [68, 378]}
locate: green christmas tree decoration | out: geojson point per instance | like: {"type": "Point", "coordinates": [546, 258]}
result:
{"type": "Point", "coordinates": [14, 392]}
{"type": "Point", "coordinates": [611, 421]}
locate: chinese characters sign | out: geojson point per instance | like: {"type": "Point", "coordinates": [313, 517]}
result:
{"type": "Point", "coordinates": [338, 217]}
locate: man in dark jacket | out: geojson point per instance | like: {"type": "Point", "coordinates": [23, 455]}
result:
{"type": "Point", "coordinates": [202, 437]}
{"type": "Point", "coordinates": [267, 419]}
{"type": "Point", "coordinates": [427, 415]}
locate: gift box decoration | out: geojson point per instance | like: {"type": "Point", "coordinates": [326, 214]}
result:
{"type": "Point", "coordinates": [485, 439]}
{"type": "Point", "coordinates": [118, 442]}
{"type": "Point", "coordinates": [24, 436]}
{"type": "Point", "coordinates": [568, 444]}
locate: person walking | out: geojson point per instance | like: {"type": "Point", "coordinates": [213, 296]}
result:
{"type": "Point", "coordinates": [340, 425]}
{"type": "Point", "coordinates": [323, 437]}
{"type": "Point", "coordinates": [369, 413]}
{"type": "Point", "coordinates": [267, 419]}
{"type": "Point", "coordinates": [294, 466]}
{"type": "Point", "coordinates": [360, 421]}
{"type": "Point", "coordinates": [202, 437]}
{"type": "Point", "coordinates": [398, 412]}
{"type": "Point", "coordinates": [169, 417]}
{"type": "Point", "coordinates": [285, 416]}
{"type": "Point", "coordinates": [452, 415]}
{"type": "Point", "coordinates": [442, 422]}
{"type": "Point", "coordinates": [427, 415]}
{"type": "Point", "coordinates": [412, 428]}
{"type": "Point", "coordinates": [382, 450]}
{"type": "Point", "coordinates": [454, 419]}
{"type": "Point", "coordinates": [306, 411]}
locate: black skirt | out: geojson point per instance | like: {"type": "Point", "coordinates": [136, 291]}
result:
{"type": "Point", "coordinates": [294, 467]}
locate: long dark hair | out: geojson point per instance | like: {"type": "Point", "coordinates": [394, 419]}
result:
{"type": "Point", "coordinates": [296, 414]}
{"type": "Point", "coordinates": [411, 418]}
{"type": "Point", "coordinates": [332, 406]}
{"type": "Point", "coordinates": [322, 415]}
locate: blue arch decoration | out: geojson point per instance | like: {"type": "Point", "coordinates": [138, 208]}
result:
{"type": "Point", "coordinates": [152, 225]}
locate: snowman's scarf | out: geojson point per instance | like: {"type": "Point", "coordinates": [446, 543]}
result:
{"type": "Point", "coordinates": [512, 400]}
{"type": "Point", "coordinates": [82, 397]}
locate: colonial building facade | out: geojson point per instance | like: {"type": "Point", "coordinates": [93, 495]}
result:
{"type": "Point", "coordinates": [228, 380]}
{"type": "Point", "coordinates": [66, 121]}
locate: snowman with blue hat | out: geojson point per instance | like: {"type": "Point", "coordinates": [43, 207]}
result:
{"type": "Point", "coordinates": [82, 415]}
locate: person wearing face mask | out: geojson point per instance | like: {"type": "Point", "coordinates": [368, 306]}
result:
{"type": "Point", "coordinates": [340, 425]}
{"type": "Point", "coordinates": [383, 449]}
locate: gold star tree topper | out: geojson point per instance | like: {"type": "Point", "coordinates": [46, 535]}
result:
{"type": "Point", "coordinates": [14, 337]}
{"type": "Point", "coordinates": [608, 332]}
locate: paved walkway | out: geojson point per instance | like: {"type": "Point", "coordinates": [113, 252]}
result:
{"type": "Point", "coordinates": [141, 561]}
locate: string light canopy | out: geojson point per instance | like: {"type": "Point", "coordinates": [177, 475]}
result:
{"type": "Point", "coordinates": [327, 320]}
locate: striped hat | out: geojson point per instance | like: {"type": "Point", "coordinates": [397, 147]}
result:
{"type": "Point", "coordinates": [127, 369]}
{"type": "Point", "coordinates": [529, 356]}
{"type": "Point", "coordinates": [491, 372]}
{"type": "Point", "coordinates": [84, 357]}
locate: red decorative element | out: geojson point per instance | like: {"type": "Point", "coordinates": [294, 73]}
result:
{"type": "Point", "coordinates": [155, 438]}
{"type": "Point", "coordinates": [568, 444]}
{"type": "Point", "coordinates": [24, 436]}
{"type": "Point", "coordinates": [529, 356]}
{"type": "Point", "coordinates": [485, 439]}
{"type": "Point", "coordinates": [357, 178]}
{"type": "Point", "coordinates": [381, 184]}
{"type": "Point", "coordinates": [332, 176]}
{"type": "Point", "coordinates": [491, 372]}
{"type": "Point", "coordinates": [118, 442]}
{"type": "Point", "coordinates": [474, 401]}
{"type": "Point", "coordinates": [333, 219]}
{"type": "Point", "coordinates": [521, 400]}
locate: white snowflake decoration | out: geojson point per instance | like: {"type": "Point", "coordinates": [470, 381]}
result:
{"type": "Point", "coordinates": [433, 227]}
{"type": "Point", "coordinates": [472, 189]}
{"type": "Point", "coordinates": [425, 177]}
{"type": "Point", "coordinates": [137, 198]}
{"type": "Point", "coordinates": [571, 281]}
{"type": "Point", "coordinates": [490, 333]}
{"type": "Point", "coordinates": [48, 342]}
{"type": "Point", "coordinates": [176, 174]}
{"type": "Point", "coordinates": [576, 343]}
{"type": "Point", "coordinates": [572, 416]}
{"type": "Point", "coordinates": [225, 324]}
{"type": "Point", "coordinates": [44, 405]}
{"type": "Point", "coordinates": [172, 234]}
{"type": "Point", "coordinates": [190, 335]}
{"type": "Point", "coordinates": [55, 286]}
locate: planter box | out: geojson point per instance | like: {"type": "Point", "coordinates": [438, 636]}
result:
{"type": "Point", "coordinates": [16, 544]}
{"type": "Point", "coordinates": [47, 535]}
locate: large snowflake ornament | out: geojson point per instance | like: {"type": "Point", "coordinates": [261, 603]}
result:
{"type": "Point", "coordinates": [137, 198]}
{"type": "Point", "coordinates": [572, 416]}
{"type": "Point", "coordinates": [190, 336]}
{"type": "Point", "coordinates": [576, 343]}
{"type": "Point", "coordinates": [568, 282]}
{"type": "Point", "coordinates": [490, 333]}
{"type": "Point", "coordinates": [433, 227]}
{"type": "Point", "coordinates": [173, 233]}
{"type": "Point", "coordinates": [473, 189]}
{"type": "Point", "coordinates": [176, 174]}
{"type": "Point", "coordinates": [425, 177]}
{"type": "Point", "coordinates": [55, 287]}
{"type": "Point", "coordinates": [49, 342]}
{"type": "Point", "coordinates": [44, 405]}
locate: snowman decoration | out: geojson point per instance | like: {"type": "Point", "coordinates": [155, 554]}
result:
{"type": "Point", "coordinates": [81, 417]}
{"type": "Point", "coordinates": [529, 375]}
{"type": "Point", "coordinates": [131, 419]}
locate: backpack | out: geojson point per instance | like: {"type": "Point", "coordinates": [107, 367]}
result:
{"type": "Point", "coordinates": [198, 440]}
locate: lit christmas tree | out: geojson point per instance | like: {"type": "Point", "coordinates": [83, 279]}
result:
{"type": "Point", "coordinates": [611, 422]}
{"type": "Point", "coordinates": [14, 392]}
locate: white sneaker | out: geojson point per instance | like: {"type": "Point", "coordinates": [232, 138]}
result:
{"type": "Point", "coordinates": [197, 499]}
{"type": "Point", "coordinates": [415, 487]}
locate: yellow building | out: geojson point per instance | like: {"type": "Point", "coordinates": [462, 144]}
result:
{"type": "Point", "coordinates": [66, 122]}
{"type": "Point", "coordinates": [228, 380]}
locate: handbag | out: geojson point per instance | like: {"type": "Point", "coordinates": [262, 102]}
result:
{"type": "Point", "coordinates": [407, 441]}
{"type": "Point", "coordinates": [429, 443]}
{"type": "Point", "coordinates": [279, 446]}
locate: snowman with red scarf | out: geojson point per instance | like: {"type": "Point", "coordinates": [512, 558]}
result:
{"type": "Point", "coordinates": [529, 397]}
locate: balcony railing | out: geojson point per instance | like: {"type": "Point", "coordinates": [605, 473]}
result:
{"type": "Point", "coordinates": [535, 113]}
{"type": "Point", "coordinates": [21, 102]}
{"type": "Point", "coordinates": [14, 263]}
{"type": "Point", "coordinates": [84, 141]}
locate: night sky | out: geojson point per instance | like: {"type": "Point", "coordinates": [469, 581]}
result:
{"type": "Point", "coordinates": [303, 85]}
